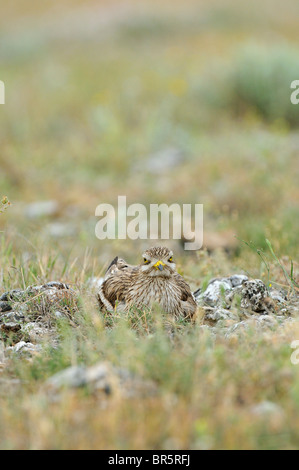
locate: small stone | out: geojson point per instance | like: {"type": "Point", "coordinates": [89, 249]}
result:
{"type": "Point", "coordinates": [215, 291]}
{"type": "Point", "coordinates": [238, 279]}
{"type": "Point", "coordinates": [97, 377]}
{"type": "Point", "coordinates": [10, 327]}
{"type": "Point", "coordinates": [267, 321]}
{"type": "Point", "coordinates": [12, 317]}
{"type": "Point", "coordinates": [24, 347]}
{"type": "Point", "coordinates": [267, 408]}
{"type": "Point", "coordinates": [35, 331]}
{"type": "Point", "coordinates": [219, 314]}
{"type": "Point", "coordinates": [281, 297]}
{"type": "Point", "coordinates": [164, 160]}
{"type": "Point", "coordinates": [74, 376]}
{"type": "Point", "coordinates": [13, 295]}
{"type": "Point", "coordinates": [95, 283]}
{"type": "Point", "coordinates": [40, 209]}
{"type": "Point", "coordinates": [4, 297]}
{"type": "Point", "coordinates": [17, 347]}
{"type": "Point", "coordinates": [5, 307]}
{"type": "Point", "coordinates": [255, 297]}
{"type": "Point", "coordinates": [58, 314]}
{"type": "Point", "coordinates": [56, 285]}
{"type": "Point", "coordinates": [60, 230]}
{"type": "Point", "coordinates": [101, 377]}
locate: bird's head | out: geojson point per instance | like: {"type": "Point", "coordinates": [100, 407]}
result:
{"type": "Point", "coordinates": [158, 261]}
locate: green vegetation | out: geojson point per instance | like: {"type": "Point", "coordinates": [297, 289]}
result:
{"type": "Point", "coordinates": [257, 80]}
{"type": "Point", "coordinates": [4, 203]}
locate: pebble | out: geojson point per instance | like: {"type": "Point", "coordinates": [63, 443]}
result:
{"type": "Point", "coordinates": [267, 408]}
{"type": "Point", "coordinates": [39, 209]}
{"type": "Point", "coordinates": [5, 307]}
{"type": "Point", "coordinates": [102, 376]}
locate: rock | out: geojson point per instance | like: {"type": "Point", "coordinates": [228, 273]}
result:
{"type": "Point", "coordinates": [134, 386]}
{"type": "Point", "coordinates": [40, 209]}
{"type": "Point", "coordinates": [52, 293]}
{"type": "Point", "coordinates": [259, 323]}
{"type": "Point", "coordinates": [32, 314]}
{"type": "Point", "coordinates": [59, 314]}
{"type": "Point", "coordinates": [10, 331]}
{"type": "Point", "coordinates": [163, 161]}
{"type": "Point", "coordinates": [13, 295]}
{"type": "Point", "coordinates": [100, 377]}
{"type": "Point", "coordinates": [267, 408]}
{"type": "Point", "coordinates": [35, 331]}
{"type": "Point", "coordinates": [232, 298]}
{"type": "Point", "coordinates": [267, 321]}
{"type": "Point", "coordinates": [292, 308]}
{"type": "Point", "coordinates": [255, 297]}
{"type": "Point", "coordinates": [20, 345]}
{"type": "Point", "coordinates": [278, 295]}
{"type": "Point", "coordinates": [238, 279]}
{"type": "Point", "coordinates": [73, 376]}
{"type": "Point", "coordinates": [56, 285]}
{"type": "Point", "coordinates": [219, 314]}
{"type": "Point", "coordinates": [2, 354]}
{"type": "Point", "coordinates": [10, 327]}
{"type": "Point", "coordinates": [12, 317]}
{"type": "Point", "coordinates": [5, 307]}
{"type": "Point", "coordinates": [253, 293]}
{"type": "Point", "coordinates": [60, 230]}
{"type": "Point", "coordinates": [218, 288]}
{"type": "Point", "coordinates": [94, 283]}
{"type": "Point", "coordinates": [24, 347]}
{"type": "Point", "coordinates": [215, 291]}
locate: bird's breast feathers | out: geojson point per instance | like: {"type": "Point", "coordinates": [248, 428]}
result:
{"type": "Point", "coordinates": [145, 292]}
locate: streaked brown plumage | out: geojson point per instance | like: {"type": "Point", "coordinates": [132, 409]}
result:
{"type": "Point", "coordinates": [153, 281]}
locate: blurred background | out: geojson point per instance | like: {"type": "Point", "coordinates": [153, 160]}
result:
{"type": "Point", "coordinates": [167, 101]}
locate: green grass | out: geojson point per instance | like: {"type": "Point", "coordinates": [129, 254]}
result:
{"type": "Point", "coordinates": [257, 81]}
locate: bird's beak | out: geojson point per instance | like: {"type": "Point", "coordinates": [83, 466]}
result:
{"type": "Point", "coordinates": [159, 265]}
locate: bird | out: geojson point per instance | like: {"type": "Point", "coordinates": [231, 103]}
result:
{"type": "Point", "coordinates": [154, 281]}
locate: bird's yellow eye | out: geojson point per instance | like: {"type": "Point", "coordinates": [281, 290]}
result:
{"type": "Point", "coordinates": [146, 261]}
{"type": "Point", "coordinates": [170, 259]}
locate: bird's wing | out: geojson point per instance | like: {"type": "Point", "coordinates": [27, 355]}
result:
{"type": "Point", "coordinates": [186, 295]}
{"type": "Point", "coordinates": [115, 285]}
{"type": "Point", "coordinates": [184, 287]}
{"type": "Point", "coordinates": [117, 264]}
